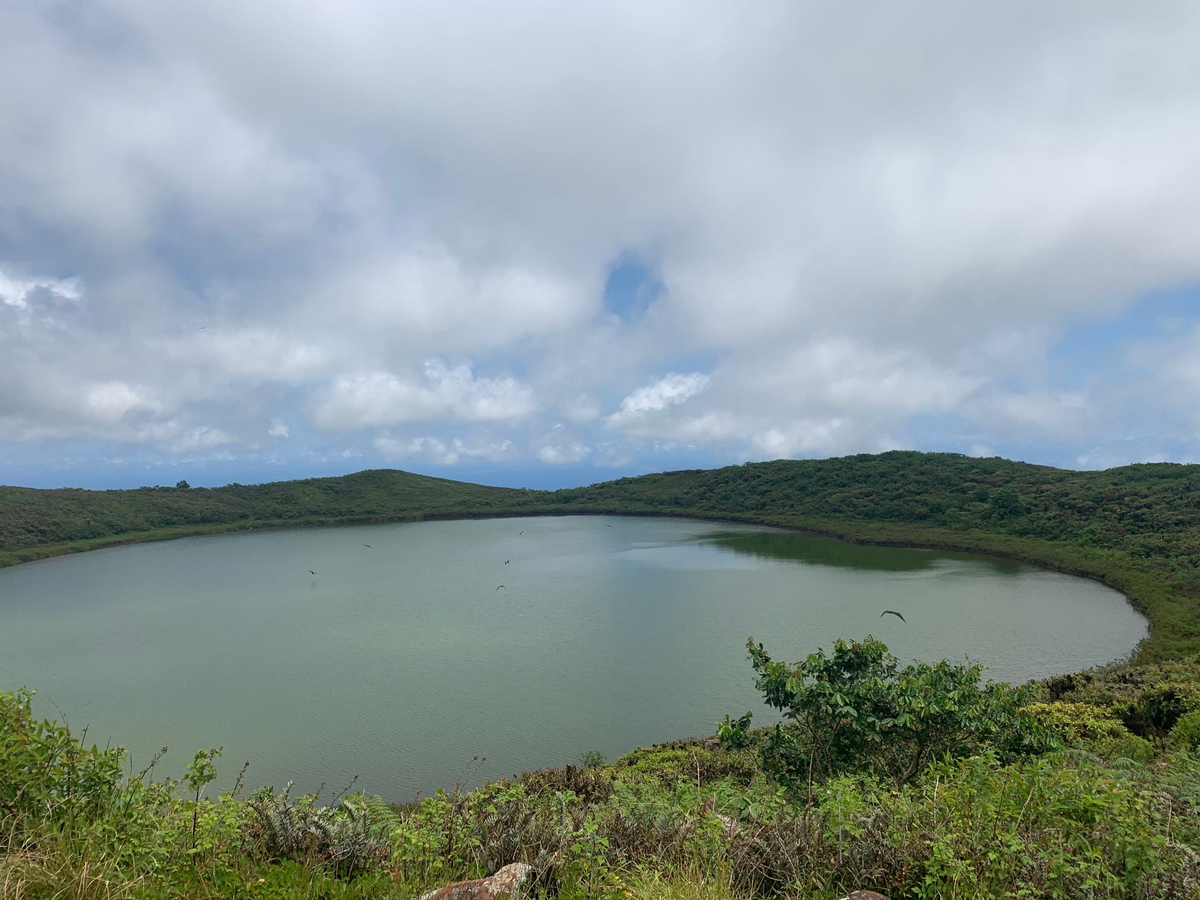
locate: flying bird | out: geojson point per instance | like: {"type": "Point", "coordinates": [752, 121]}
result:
{"type": "Point", "coordinates": [507, 561]}
{"type": "Point", "coordinates": [501, 586]}
{"type": "Point", "coordinates": [368, 546]}
{"type": "Point", "coordinates": [519, 533]}
{"type": "Point", "coordinates": [311, 572]}
{"type": "Point", "coordinates": [889, 612]}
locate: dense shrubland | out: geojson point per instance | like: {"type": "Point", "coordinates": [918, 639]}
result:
{"type": "Point", "coordinates": [917, 781]}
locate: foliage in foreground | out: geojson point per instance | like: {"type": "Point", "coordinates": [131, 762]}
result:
{"type": "Point", "coordinates": [858, 710]}
{"type": "Point", "coordinates": [1081, 805]}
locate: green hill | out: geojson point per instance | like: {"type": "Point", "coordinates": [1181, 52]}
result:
{"type": "Point", "coordinates": [36, 523]}
{"type": "Point", "coordinates": [1136, 528]}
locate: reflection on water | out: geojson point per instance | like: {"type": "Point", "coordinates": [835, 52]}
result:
{"type": "Point", "coordinates": [821, 551]}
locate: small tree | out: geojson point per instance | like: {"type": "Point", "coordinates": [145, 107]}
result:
{"type": "Point", "coordinates": [734, 734]}
{"type": "Point", "coordinates": [182, 485]}
{"type": "Point", "coordinates": [858, 709]}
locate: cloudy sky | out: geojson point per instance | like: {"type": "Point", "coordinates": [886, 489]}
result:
{"type": "Point", "coordinates": [553, 243]}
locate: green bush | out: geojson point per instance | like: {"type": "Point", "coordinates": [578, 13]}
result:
{"type": "Point", "coordinates": [1077, 723]}
{"type": "Point", "coordinates": [1092, 728]}
{"type": "Point", "coordinates": [859, 710]}
{"type": "Point", "coordinates": [1186, 733]}
{"type": "Point", "coordinates": [45, 772]}
{"type": "Point", "coordinates": [734, 734]}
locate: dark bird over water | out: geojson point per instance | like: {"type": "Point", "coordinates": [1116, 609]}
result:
{"type": "Point", "coordinates": [519, 533]}
{"type": "Point", "coordinates": [501, 586]}
{"type": "Point", "coordinates": [889, 612]}
{"type": "Point", "coordinates": [368, 546]}
{"type": "Point", "coordinates": [507, 561]}
{"type": "Point", "coordinates": [311, 572]}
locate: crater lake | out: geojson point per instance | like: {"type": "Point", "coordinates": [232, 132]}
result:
{"type": "Point", "coordinates": [402, 659]}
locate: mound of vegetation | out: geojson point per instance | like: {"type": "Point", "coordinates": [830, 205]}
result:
{"type": "Point", "coordinates": [37, 523]}
{"type": "Point", "coordinates": [915, 781]}
{"type": "Point", "coordinates": [1136, 528]}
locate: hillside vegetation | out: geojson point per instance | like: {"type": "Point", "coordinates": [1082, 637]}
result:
{"type": "Point", "coordinates": [36, 523]}
{"type": "Point", "coordinates": [1136, 528]}
{"type": "Point", "coordinates": [916, 779]}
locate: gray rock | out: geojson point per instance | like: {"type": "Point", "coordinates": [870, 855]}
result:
{"type": "Point", "coordinates": [508, 882]}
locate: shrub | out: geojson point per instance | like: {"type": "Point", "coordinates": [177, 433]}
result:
{"type": "Point", "coordinates": [691, 762]}
{"type": "Point", "coordinates": [351, 837]}
{"type": "Point", "coordinates": [1077, 723]}
{"type": "Point", "coordinates": [1092, 728]}
{"type": "Point", "coordinates": [858, 710]}
{"type": "Point", "coordinates": [45, 772]}
{"type": "Point", "coordinates": [1186, 733]}
{"type": "Point", "coordinates": [734, 734]}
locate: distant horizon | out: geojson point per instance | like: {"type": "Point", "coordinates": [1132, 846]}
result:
{"type": "Point", "coordinates": [490, 476]}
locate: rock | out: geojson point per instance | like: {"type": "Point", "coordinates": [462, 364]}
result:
{"type": "Point", "coordinates": [864, 895]}
{"type": "Point", "coordinates": [505, 883]}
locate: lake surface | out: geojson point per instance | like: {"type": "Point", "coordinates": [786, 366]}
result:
{"type": "Point", "coordinates": [401, 662]}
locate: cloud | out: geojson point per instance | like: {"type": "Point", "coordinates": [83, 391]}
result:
{"type": "Point", "coordinates": [1037, 412]}
{"type": "Point", "coordinates": [225, 214]}
{"type": "Point", "coordinates": [201, 438]}
{"type": "Point", "coordinates": [670, 390]}
{"type": "Point", "coordinates": [111, 401]}
{"type": "Point", "coordinates": [560, 454]}
{"type": "Point", "coordinates": [22, 292]}
{"type": "Point", "coordinates": [443, 453]}
{"type": "Point", "coordinates": [382, 398]}
{"type": "Point", "coordinates": [580, 410]}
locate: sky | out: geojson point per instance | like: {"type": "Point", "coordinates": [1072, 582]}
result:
{"type": "Point", "coordinates": [546, 244]}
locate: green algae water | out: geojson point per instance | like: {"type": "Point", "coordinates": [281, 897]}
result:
{"type": "Point", "coordinates": [402, 661]}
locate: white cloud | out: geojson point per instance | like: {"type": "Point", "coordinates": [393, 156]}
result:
{"type": "Point", "coordinates": [800, 439]}
{"type": "Point", "coordinates": [1055, 413]}
{"type": "Point", "coordinates": [279, 428]}
{"type": "Point", "coordinates": [560, 454]}
{"type": "Point", "coordinates": [670, 390]}
{"type": "Point", "coordinates": [253, 355]}
{"type": "Point", "coordinates": [581, 409]}
{"type": "Point", "coordinates": [19, 292]}
{"type": "Point", "coordinates": [382, 398]}
{"type": "Point", "coordinates": [110, 401]}
{"type": "Point", "coordinates": [439, 452]}
{"type": "Point", "coordinates": [284, 209]}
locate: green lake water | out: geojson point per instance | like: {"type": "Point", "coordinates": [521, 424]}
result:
{"type": "Point", "coordinates": [402, 662]}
